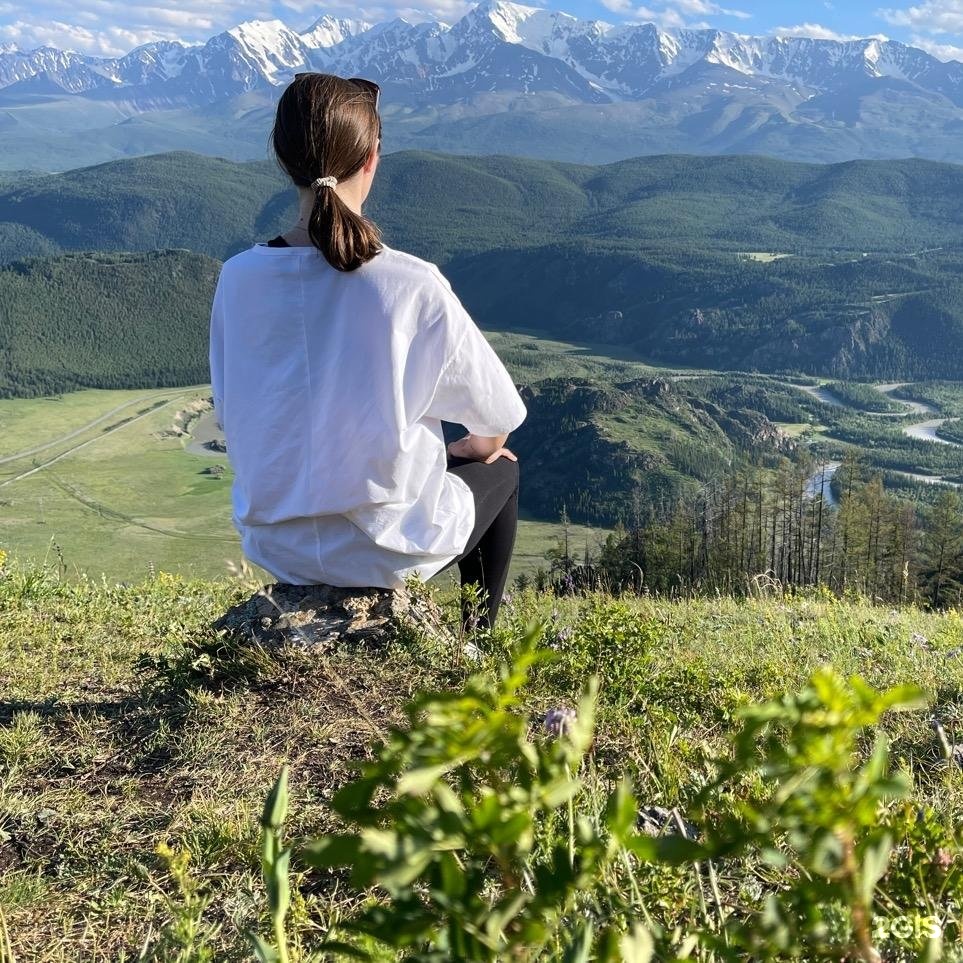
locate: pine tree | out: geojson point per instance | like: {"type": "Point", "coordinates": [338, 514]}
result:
{"type": "Point", "coordinates": [942, 564]}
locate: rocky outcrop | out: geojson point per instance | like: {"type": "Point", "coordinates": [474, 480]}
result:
{"type": "Point", "coordinates": [324, 617]}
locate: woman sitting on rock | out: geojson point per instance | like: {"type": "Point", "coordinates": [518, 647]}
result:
{"type": "Point", "coordinates": [334, 361]}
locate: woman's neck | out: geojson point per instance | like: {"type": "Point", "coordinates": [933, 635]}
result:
{"type": "Point", "coordinates": [297, 235]}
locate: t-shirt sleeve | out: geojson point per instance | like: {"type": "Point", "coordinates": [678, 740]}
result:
{"type": "Point", "coordinates": [216, 355]}
{"type": "Point", "coordinates": [473, 388]}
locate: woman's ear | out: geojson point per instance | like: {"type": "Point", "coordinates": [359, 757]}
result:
{"type": "Point", "coordinates": [372, 162]}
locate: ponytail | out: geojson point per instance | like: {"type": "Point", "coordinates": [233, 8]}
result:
{"type": "Point", "coordinates": [346, 239]}
{"type": "Point", "coordinates": [328, 127]}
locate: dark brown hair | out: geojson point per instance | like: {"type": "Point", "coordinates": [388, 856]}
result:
{"type": "Point", "coordinates": [327, 126]}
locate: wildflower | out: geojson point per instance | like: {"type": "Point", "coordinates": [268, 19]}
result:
{"type": "Point", "coordinates": [559, 722]}
{"type": "Point", "coordinates": [565, 633]}
{"type": "Point", "coordinates": [944, 859]}
{"type": "Point", "coordinates": [921, 640]}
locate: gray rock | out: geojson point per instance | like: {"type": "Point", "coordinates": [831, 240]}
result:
{"type": "Point", "coordinates": [324, 616]}
{"type": "Point", "coordinates": [658, 821]}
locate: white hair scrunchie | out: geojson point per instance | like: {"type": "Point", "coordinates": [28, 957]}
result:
{"type": "Point", "coordinates": [324, 182]}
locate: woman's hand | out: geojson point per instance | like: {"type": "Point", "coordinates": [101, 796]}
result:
{"type": "Point", "coordinates": [479, 448]}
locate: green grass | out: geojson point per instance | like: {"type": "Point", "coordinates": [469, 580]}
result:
{"type": "Point", "coordinates": [763, 257]}
{"type": "Point", "coordinates": [798, 429]}
{"type": "Point", "coordinates": [128, 499]}
{"type": "Point", "coordinates": [100, 762]}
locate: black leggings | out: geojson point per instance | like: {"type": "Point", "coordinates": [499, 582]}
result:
{"type": "Point", "coordinates": [488, 552]}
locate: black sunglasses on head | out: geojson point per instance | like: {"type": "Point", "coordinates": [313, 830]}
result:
{"type": "Point", "coordinates": [370, 86]}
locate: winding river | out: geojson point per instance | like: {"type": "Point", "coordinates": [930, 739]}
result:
{"type": "Point", "coordinates": [926, 430]}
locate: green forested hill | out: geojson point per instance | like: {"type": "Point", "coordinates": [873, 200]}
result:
{"type": "Point", "coordinates": [604, 451]}
{"type": "Point", "coordinates": [731, 262]}
{"type": "Point", "coordinates": [104, 321]}
{"type": "Point", "coordinates": [443, 205]}
{"type": "Point", "coordinates": [175, 200]}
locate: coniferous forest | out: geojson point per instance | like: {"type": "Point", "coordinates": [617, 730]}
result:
{"type": "Point", "coordinates": [756, 528]}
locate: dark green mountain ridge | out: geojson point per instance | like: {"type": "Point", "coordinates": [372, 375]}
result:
{"type": "Point", "coordinates": [443, 205]}
{"type": "Point", "coordinates": [648, 253]}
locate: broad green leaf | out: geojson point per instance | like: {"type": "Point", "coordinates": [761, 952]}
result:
{"type": "Point", "coordinates": [339, 950]}
{"type": "Point", "coordinates": [622, 810]}
{"type": "Point", "coordinates": [353, 801]}
{"type": "Point", "coordinates": [418, 781]}
{"type": "Point", "coordinates": [263, 952]}
{"type": "Point", "coordinates": [579, 948]}
{"type": "Point", "coordinates": [875, 861]}
{"type": "Point", "coordinates": [276, 804]}
{"type": "Point", "coordinates": [329, 852]}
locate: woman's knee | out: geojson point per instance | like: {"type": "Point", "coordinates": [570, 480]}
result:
{"type": "Point", "coordinates": [508, 469]}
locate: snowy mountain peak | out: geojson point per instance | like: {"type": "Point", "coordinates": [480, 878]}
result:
{"type": "Point", "coordinates": [269, 46]}
{"type": "Point", "coordinates": [518, 23]}
{"type": "Point", "coordinates": [327, 31]}
{"type": "Point", "coordinates": [262, 33]}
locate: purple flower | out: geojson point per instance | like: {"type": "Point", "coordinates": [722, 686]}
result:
{"type": "Point", "coordinates": [559, 722]}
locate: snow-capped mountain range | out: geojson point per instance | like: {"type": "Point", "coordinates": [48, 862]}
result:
{"type": "Point", "coordinates": [505, 78]}
{"type": "Point", "coordinates": [498, 46]}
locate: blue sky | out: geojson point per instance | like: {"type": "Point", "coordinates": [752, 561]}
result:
{"type": "Point", "coordinates": [111, 27]}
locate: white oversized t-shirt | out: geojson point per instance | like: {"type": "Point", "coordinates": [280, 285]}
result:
{"type": "Point", "coordinates": [331, 388]}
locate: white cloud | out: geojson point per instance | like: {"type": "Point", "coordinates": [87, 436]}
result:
{"type": "Point", "coordinates": [110, 42]}
{"type": "Point", "coordinates": [664, 18]}
{"type": "Point", "coordinates": [113, 27]}
{"type": "Point", "coordinates": [673, 13]}
{"type": "Point", "coordinates": [932, 16]}
{"type": "Point", "coordinates": [942, 51]}
{"type": "Point", "coordinates": [109, 28]}
{"type": "Point", "coordinates": [817, 31]}
{"type": "Point", "coordinates": [447, 11]}
{"type": "Point", "coordinates": [706, 8]}
{"type": "Point", "coordinates": [618, 6]}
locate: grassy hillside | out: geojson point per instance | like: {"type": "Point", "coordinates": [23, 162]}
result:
{"type": "Point", "coordinates": [740, 263]}
{"type": "Point", "coordinates": [131, 787]}
{"type": "Point", "coordinates": [104, 475]}
{"type": "Point", "coordinates": [104, 321]}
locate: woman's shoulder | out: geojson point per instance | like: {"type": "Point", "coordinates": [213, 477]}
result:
{"type": "Point", "coordinates": [244, 259]}
{"type": "Point", "coordinates": [406, 265]}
